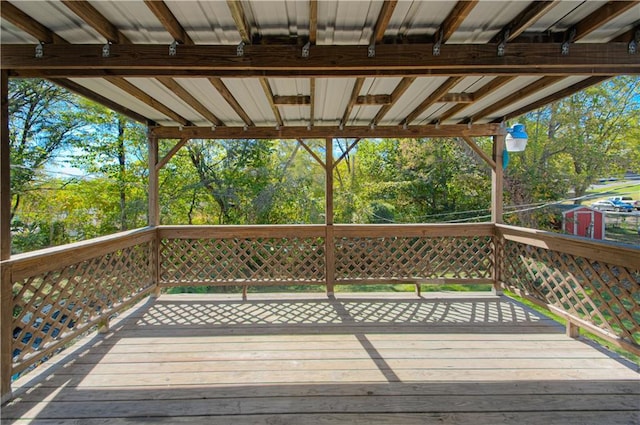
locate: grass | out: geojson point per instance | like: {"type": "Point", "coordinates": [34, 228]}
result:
{"type": "Point", "coordinates": [630, 189]}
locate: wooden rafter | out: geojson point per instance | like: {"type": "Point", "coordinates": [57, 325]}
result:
{"type": "Point", "coordinates": [97, 21]}
{"type": "Point", "coordinates": [189, 99]}
{"type": "Point", "coordinates": [318, 132]}
{"type": "Point", "coordinates": [516, 96]}
{"type": "Point", "coordinates": [29, 25]}
{"type": "Point", "coordinates": [402, 87]}
{"type": "Point", "coordinates": [374, 99]}
{"type": "Point", "coordinates": [169, 21]}
{"type": "Point", "coordinates": [402, 59]}
{"type": "Point", "coordinates": [455, 18]}
{"type": "Point", "coordinates": [485, 90]}
{"type": "Point", "coordinates": [231, 100]}
{"type": "Point", "coordinates": [313, 21]}
{"type": "Point", "coordinates": [91, 95]}
{"type": "Point", "coordinates": [292, 100]}
{"type": "Point", "coordinates": [525, 19]}
{"type": "Point", "coordinates": [383, 20]}
{"type": "Point", "coordinates": [272, 100]}
{"type": "Point", "coordinates": [568, 91]}
{"type": "Point", "coordinates": [431, 99]}
{"type": "Point", "coordinates": [240, 19]}
{"type": "Point", "coordinates": [457, 98]}
{"type": "Point", "coordinates": [598, 18]}
{"type": "Point", "coordinates": [312, 103]}
{"type": "Point", "coordinates": [352, 100]}
{"type": "Point", "coordinates": [142, 96]}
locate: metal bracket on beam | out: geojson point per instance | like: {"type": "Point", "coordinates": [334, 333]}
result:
{"type": "Point", "coordinates": [633, 44]}
{"type": "Point", "coordinates": [173, 48]}
{"type": "Point", "coordinates": [503, 42]}
{"type": "Point", "coordinates": [371, 51]}
{"type": "Point", "coordinates": [565, 45]}
{"type": "Point", "coordinates": [240, 49]}
{"type": "Point", "coordinates": [106, 50]}
{"type": "Point", "coordinates": [306, 49]}
{"type": "Point", "coordinates": [39, 50]}
{"type": "Point", "coordinates": [437, 44]}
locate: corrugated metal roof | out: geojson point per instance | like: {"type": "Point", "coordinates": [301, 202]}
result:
{"type": "Point", "coordinates": [289, 22]}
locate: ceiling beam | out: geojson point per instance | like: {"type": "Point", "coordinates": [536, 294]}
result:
{"type": "Point", "coordinates": [402, 87]}
{"type": "Point", "coordinates": [312, 105]}
{"type": "Point", "coordinates": [483, 91]}
{"type": "Point", "coordinates": [313, 21]}
{"type": "Point", "coordinates": [29, 25]}
{"type": "Point", "coordinates": [85, 92]}
{"type": "Point", "coordinates": [383, 20]}
{"type": "Point", "coordinates": [317, 132]}
{"type": "Point", "coordinates": [374, 99]}
{"type": "Point", "coordinates": [231, 100]}
{"type": "Point", "coordinates": [525, 19]}
{"type": "Point", "coordinates": [266, 87]}
{"type": "Point", "coordinates": [352, 100]}
{"type": "Point", "coordinates": [455, 18]}
{"type": "Point", "coordinates": [457, 98]}
{"type": "Point", "coordinates": [142, 96]}
{"type": "Point", "coordinates": [291, 100]}
{"type": "Point", "coordinates": [239, 17]}
{"type": "Point", "coordinates": [325, 61]}
{"type": "Point", "coordinates": [431, 99]}
{"type": "Point", "coordinates": [169, 21]}
{"type": "Point", "coordinates": [188, 98]}
{"type": "Point", "coordinates": [516, 96]}
{"type": "Point", "coordinates": [97, 21]}
{"type": "Point", "coordinates": [568, 91]}
{"type": "Point", "coordinates": [598, 18]}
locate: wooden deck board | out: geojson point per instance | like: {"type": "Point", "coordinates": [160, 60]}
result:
{"type": "Point", "coordinates": [381, 359]}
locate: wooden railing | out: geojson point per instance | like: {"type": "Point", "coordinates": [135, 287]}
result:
{"type": "Point", "coordinates": [51, 296]}
{"type": "Point", "coordinates": [593, 285]}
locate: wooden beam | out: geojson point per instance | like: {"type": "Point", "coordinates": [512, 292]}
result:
{"type": "Point", "coordinates": [574, 88]}
{"type": "Point", "coordinates": [455, 18]}
{"type": "Point", "coordinates": [319, 132]}
{"type": "Point", "coordinates": [431, 99]}
{"type": "Point", "coordinates": [328, 162]}
{"type": "Point", "coordinates": [473, 145]}
{"type": "Point", "coordinates": [516, 96]}
{"type": "Point", "coordinates": [266, 87]}
{"type": "Point", "coordinates": [153, 193]}
{"type": "Point", "coordinates": [231, 100]}
{"type": "Point", "coordinates": [239, 17]}
{"type": "Point", "coordinates": [326, 61]}
{"type": "Point", "coordinates": [174, 150]}
{"type": "Point", "coordinates": [188, 98]}
{"type": "Point", "coordinates": [313, 21]}
{"type": "Point", "coordinates": [312, 108]}
{"type": "Point", "coordinates": [374, 99]}
{"type": "Point", "coordinates": [497, 180]}
{"type": "Point", "coordinates": [291, 100]}
{"type": "Point", "coordinates": [384, 17]}
{"type": "Point", "coordinates": [352, 100]}
{"type": "Point", "coordinates": [169, 21]}
{"type": "Point", "coordinates": [312, 153]}
{"type": "Point", "coordinates": [142, 96]}
{"type": "Point", "coordinates": [457, 98]}
{"type": "Point", "coordinates": [29, 25]}
{"type": "Point", "coordinates": [530, 15]}
{"type": "Point", "coordinates": [402, 87]}
{"type": "Point", "coordinates": [600, 17]}
{"type": "Point", "coordinates": [485, 90]}
{"type": "Point", "coordinates": [5, 170]}
{"type": "Point", "coordinates": [96, 20]}
{"type": "Point", "coordinates": [91, 95]}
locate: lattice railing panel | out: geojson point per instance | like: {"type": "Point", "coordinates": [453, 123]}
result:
{"type": "Point", "coordinates": [242, 261]}
{"type": "Point", "coordinates": [50, 306]}
{"type": "Point", "coordinates": [605, 295]}
{"type": "Point", "coordinates": [411, 258]}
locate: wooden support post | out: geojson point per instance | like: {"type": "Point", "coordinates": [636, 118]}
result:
{"type": "Point", "coordinates": [6, 287]}
{"type": "Point", "coordinates": [497, 186]}
{"type": "Point", "coordinates": [103, 326]}
{"type": "Point", "coordinates": [244, 292]}
{"type": "Point", "coordinates": [154, 210]}
{"type": "Point", "coordinates": [329, 237]}
{"type": "Point", "coordinates": [573, 330]}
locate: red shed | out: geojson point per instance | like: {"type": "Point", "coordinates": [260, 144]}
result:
{"type": "Point", "coordinates": [584, 221]}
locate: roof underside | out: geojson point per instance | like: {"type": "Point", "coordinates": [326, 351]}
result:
{"type": "Point", "coordinates": [242, 65]}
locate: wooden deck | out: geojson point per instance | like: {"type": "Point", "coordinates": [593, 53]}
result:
{"type": "Point", "coordinates": [304, 359]}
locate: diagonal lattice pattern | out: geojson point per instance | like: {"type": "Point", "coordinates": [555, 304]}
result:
{"type": "Point", "coordinates": [242, 261]}
{"type": "Point", "coordinates": [606, 295]}
{"type": "Point", "coordinates": [50, 306]}
{"type": "Point", "coordinates": [413, 258]}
